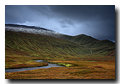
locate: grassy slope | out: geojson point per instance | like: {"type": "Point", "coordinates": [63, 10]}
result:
{"type": "Point", "coordinates": [19, 46]}
{"type": "Point", "coordinates": [22, 48]}
{"type": "Point", "coordinates": [83, 39]}
{"type": "Point", "coordinates": [102, 47]}
{"type": "Point", "coordinates": [80, 44]}
{"type": "Point", "coordinates": [38, 45]}
{"type": "Point", "coordinates": [32, 43]}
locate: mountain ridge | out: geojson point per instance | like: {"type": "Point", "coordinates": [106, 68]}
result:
{"type": "Point", "coordinates": [73, 45]}
{"type": "Point", "coordinates": [83, 39]}
{"type": "Point", "coordinates": [7, 28]}
{"type": "Point", "coordinates": [31, 29]}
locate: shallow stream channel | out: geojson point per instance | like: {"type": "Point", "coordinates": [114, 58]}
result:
{"type": "Point", "coordinates": [32, 68]}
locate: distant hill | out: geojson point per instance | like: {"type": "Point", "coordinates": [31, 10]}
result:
{"type": "Point", "coordinates": [89, 41]}
{"type": "Point", "coordinates": [21, 39]}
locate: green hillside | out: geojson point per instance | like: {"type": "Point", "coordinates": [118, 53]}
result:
{"type": "Point", "coordinates": [103, 47]}
{"type": "Point", "coordinates": [38, 45]}
{"type": "Point", "coordinates": [81, 39]}
{"type": "Point", "coordinates": [50, 47]}
{"type": "Point", "coordinates": [22, 48]}
{"type": "Point", "coordinates": [89, 41]}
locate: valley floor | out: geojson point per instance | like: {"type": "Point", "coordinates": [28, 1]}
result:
{"type": "Point", "coordinates": [78, 70]}
{"type": "Point", "coordinates": [21, 49]}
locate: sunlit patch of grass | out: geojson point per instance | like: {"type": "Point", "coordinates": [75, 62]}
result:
{"type": "Point", "coordinates": [67, 65]}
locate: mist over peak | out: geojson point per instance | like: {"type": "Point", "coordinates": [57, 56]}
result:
{"type": "Point", "coordinates": [31, 29]}
{"type": "Point", "coordinates": [97, 21]}
{"type": "Point", "coordinates": [47, 32]}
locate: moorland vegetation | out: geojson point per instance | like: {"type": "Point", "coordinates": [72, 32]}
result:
{"type": "Point", "coordinates": [84, 57]}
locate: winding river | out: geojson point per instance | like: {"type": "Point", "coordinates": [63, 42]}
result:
{"type": "Point", "coordinates": [32, 68]}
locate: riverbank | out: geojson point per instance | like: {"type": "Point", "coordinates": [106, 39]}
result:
{"type": "Point", "coordinates": [83, 70]}
{"type": "Point", "coordinates": [26, 65]}
{"type": "Point", "coordinates": [88, 67]}
{"type": "Point", "coordinates": [24, 68]}
{"type": "Point", "coordinates": [17, 61]}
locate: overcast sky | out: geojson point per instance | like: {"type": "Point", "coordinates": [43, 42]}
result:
{"type": "Point", "coordinates": [97, 21]}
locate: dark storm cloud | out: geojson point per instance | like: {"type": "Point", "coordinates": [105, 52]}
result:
{"type": "Point", "coordinates": [66, 23]}
{"type": "Point", "coordinates": [97, 21]}
{"type": "Point", "coordinates": [22, 13]}
{"type": "Point", "coordinates": [85, 12]}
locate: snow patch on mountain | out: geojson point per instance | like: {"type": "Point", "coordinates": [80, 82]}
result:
{"type": "Point", "coordinates": [31, 29]}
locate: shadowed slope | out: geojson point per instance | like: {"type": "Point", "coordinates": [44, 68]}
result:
{"type": "Point", "coordinates": [83, 39]}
